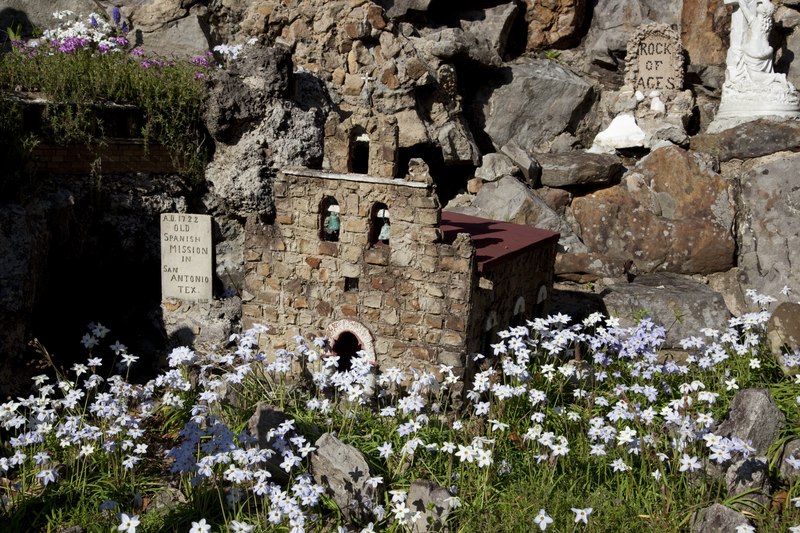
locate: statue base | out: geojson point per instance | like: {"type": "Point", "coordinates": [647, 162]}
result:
{"type": "Point", "coordinates": [747, 101]}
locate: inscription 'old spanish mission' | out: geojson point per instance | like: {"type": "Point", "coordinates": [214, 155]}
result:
{"type": "Point", "coordinates": [186, 251]}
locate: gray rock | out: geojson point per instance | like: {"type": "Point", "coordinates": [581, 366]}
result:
{"type": "Point", "coordinates": [683, 306]}
{"type": "Point", "coordinates": [529, 167]}
{"type": "Point", "coordinates": [718, 519]}
{"type": "Point", "coordinates": [201, 324]}
{"type": "Point", "coordinates": [750, 140]}
{"type": "Point", "coordinates": [509, 200]}
{"type": "Point", "coordinates": [783, 335]}
{"type": "Point", "coordinates": [753, 417]}
{"type": "Point", "coordinates": [184, 37]}
{"type": "Point", "coordinates": [613, 21]}
{"type": "Point", "coordinates": [556, 100]}
{"type": "Point", "coordinates": [492, 25]}
{"type": "Point", "coordinates": [747, 475]}
{"type": "Point", "coordinates": [789, 458]}
{"type": "Point", "coordinates": [571, 169]}
{"type": "Point", "coordinates": [40, 14]}
{"type": "Point", "coordinates": [449, 44]}
{"type": "Point", "coordinates": [495, 166]}
{"type": "Point", "coordinates": [432, 500]}
{"type": "Point", "coordinates": [260, 426]}
{"type": "Point", "coordinates": [768, 228]}
{"type": "Point", "coordinates": [400, 8]}
{"type": "Point", "coordinates": [236, 97]}
{"type": "Point", "coordinates": [344, 471]}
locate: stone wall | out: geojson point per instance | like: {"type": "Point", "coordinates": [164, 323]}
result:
{"type": "Point", "coordinates": [116, 157]}
{"type": "Point", "coordinates": [509, 293]}
{"type": "Point", "coordinates": [413, 294]}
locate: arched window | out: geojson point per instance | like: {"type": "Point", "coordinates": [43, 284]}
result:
{"type": "Point", "coordinates": [518, 316]}
{"type": "Point", "coordinates": [541, 302]}
{"type": "Point", "coordinates": [329, 222]}
{"type": "Point", "coordinates": [488, 335]}
{"type": "Point", "coordinates": [379, 224]}
{"type": "Point", "coordinates": [359, 151]}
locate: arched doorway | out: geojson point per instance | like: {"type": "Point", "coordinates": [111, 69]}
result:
{"type": "Point", "coordinates": [346, 347]}
{"type": "Point", "coordinates": [347, 338]}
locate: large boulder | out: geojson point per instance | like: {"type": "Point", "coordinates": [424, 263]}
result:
{"type": "Point", "coordinates": [555, 23]}
{"type": "Point", "coordinates": [682, 305]}
{"type": "Point", "coordinates": [536, 101]}
{"type": "Point", "coordinates": [401, 8]}
{"type": "Point", "coordinates": [768, 224]}
{"type": "Point", "coordinates": [750, 478]}
{"type": "Point", "coordinates": [509, 200]}
{"type": "Point", "coordinates": [672, 212]}
{"type": "Point", "coordinates": [754, 417]}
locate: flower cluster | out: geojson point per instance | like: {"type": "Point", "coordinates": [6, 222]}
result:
{"type": "Point", "coordinates": [592, 401]}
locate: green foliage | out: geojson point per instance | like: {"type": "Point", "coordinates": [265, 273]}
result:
{"type": "Point", "coordinates": [74, 86]}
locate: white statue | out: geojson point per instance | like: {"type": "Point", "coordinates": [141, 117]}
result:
{"type": "Point", "coordinates": [752, 88]}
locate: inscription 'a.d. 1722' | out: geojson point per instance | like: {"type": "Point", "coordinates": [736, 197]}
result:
{"type": "Point", "coordinates": [186, 252]}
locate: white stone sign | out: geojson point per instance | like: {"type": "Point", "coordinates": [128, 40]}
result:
{"type": "Point", "coordinates": [186, 251]}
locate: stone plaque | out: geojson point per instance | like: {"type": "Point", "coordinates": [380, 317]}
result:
{"type": "Point", "coordinates": [655, 60]}
{"type": "Point", "coordinates": [186, 251]}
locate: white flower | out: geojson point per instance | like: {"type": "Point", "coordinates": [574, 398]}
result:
{"type": "Point", "coordinates": [200, 527]}
{"type": "Point", "coordinates": [745, 528]}
{"type": "Point", "coordinates": [542, 520]}
{"type": "Point", "coordinates": [128, 523]}
{"type": "Point", "coordinates": [755, 363]}
{"type": "Point", "coordinates": [240, 527]}
{"type": "Point", "coordinates": [47, 476]}
{"type": "Point", "coordinates": [689, 463]}
{"type": "Point", "coordinates": [582, 515]}
{"type": "Point", "coordinates": [385, 450]}
{"type": "Point", "coordinates": [730, 384]}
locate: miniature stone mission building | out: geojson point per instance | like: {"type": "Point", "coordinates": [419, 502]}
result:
{"type": "Point", "coordinates": [373, 262]}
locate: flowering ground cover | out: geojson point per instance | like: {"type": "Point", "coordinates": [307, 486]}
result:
{"type": "Point", "coordinates": [621, 440]}
{"type": "Point", "coordinates": [85, 63]}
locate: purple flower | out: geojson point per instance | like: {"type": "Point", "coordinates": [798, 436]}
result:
{"type": "Point", "coordinates": [125, 27]}
{"type": "Point", "coordinates": [103, 47]}
{"type": "Point", "coordinates": [116, 15]}
{"type": "Point", "coordinates": [138, 52]}
{"type": "Point", "coordinates": [93, 21]}
{"type": "Point", "coordinates": [121, 42]}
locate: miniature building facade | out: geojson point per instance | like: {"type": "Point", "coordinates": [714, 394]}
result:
{"type": "Point", "coordinates": [374, 264]}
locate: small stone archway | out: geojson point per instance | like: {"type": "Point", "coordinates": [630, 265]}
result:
{"type": "Point", "coordinates": [518, 315]}
{"type": "Point", "coordinates": [349, 337]}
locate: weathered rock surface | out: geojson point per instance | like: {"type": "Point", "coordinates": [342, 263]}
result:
{"type": "Point", "coordinates": [400, 8]}
{"type": "Point", "coordinates": [202, 325]}
{"type": "Point", "coordinates": [555, 23]}
{"type": "Point", "coordinates": [705, 25]}
{"type": "Point", "coordinates": [672, 212]}
{"type": "Point", "coordinates": [789, 462]}
{"type": "Point", "coordinates": [783, 335]}
{"type": "Point", "coordinates": [432, 500]}
{"type": "Point", "coordinates": [577, 168]}
{"type": "Point", "coordinates": [613, 21]}
{"type": "Point", "coordinates": [750, 140]}
{"type": "Point", "coordinates": [510, 200]}
{"type": "Point", "coordinates": [768, 228]}
{"type": "Point", "coordinates": [236, 97]}
{"type": "Point", "coordinates": [492, 25]}
{"type": "Point", "coordinates": [495, 166]}
{"type": "Point", "coordinates": [665, 297]}
{"type": "Point", "coordinates": [718, 519]}
{"type": "Point", "coordinates": [344, 472]}
{"type": "Point", "coordinates": [265, 418]}
{"type": "Point", "coordinates": [747, 475]}
{"type": "Point", "coordinates": [753, 417]}
{"type": "Point", "coordinates": [556, 100]}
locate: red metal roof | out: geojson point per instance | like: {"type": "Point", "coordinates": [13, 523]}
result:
{"type": "Point", "coordinates": [495, 242]}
